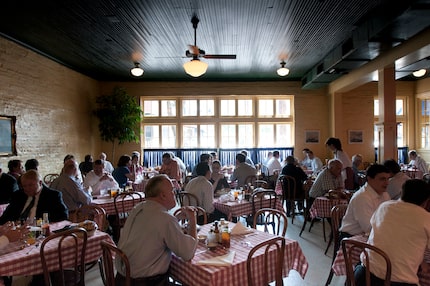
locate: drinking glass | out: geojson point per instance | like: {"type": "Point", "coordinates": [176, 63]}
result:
{"type": "Point", "coordinates": [240, 197]}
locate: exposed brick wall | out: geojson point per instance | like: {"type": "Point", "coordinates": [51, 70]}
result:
{"type": "Point", "coordinates": [52, 104]}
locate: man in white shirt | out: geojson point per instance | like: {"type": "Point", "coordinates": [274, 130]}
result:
{"type": "Point", "coordinates": [98, 179]}
{"type": "Point", "coordinates": [418, 163]}
{"type": "Point", "coordinates": [316, 164]}
{"type": "Point", "coordinates": [274, 163]}
{"type": "Point", "coordinates": [365, 201]}
{"type": "Point", "coordinates": [401, 228]}
{"type": "Point", "coordinates": [397, 179]}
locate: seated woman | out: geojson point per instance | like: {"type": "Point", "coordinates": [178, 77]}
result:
{"type": "Point", "coordinates": [217, 178]}
{"type": "Point", "coordinates": [122, 173]}
{"type": "Point", "coordinates": [135, 167]}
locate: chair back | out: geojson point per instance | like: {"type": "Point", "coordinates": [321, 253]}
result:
{"type": "Point", "coordinates": [349, 246]}
{"type": "Point", "coordinates": [187, 199]}
{"type": "Point", "coordinates": [273, 256]}
{"type": "Point", "coordinates": [200, 213]}
{"type": "Point", "coordinates": [124, 203]}
{"type": "Point", "coordinates": [274, 217]}
{"type": "Point", "coordinates": [91, 212]}
{"type": "Point", "coordinates": [289, 187]}
{"type": "Point", "coordinates": [263, 198]}
{"type": "Point", "coordinates": [107, 269]}
{"type": "Point", "coordinates": [70, 245]}
{"type": "Point", "coordinates": [49, 178]}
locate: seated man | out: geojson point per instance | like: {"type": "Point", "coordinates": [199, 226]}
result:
{"type": "Point", "coordinates": [365, 201]}
{"type": "Point", "coordinates": [328, 179]}
{"type": "Point", "coordinates": [418, 163]}
{"type": "Point", "coordinates": [242, 171]}
{"type": "Point", "coordinates": [218, 179]}
{"type": "Point", "coordinates": [202, 188]}
{"type": "Point", "coordinates": [400, 228]}
{"type": "Point", "coordinates": [98, 179]}
{"type": "Point", "coordinates": [299, 175]}
{"type": "Point", "coordinates": [397, 179]}
{"type": "Point", "coordinates": [170, 167]}
{"type": "Point", "coordinates": [34, 200]}
{"type": "Point", "coordinates": [151, 234]}
{"type": "Point", "coordinates": [8, 185]}
{"type": "Point", "coordinates": [73, 191]}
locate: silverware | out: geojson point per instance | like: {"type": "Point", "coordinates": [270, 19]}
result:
{"type": "Point", "coordinates": [33, 248]}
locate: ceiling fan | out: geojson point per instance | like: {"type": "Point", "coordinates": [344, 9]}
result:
{"type": "Point", "coordinates": [195, 67]}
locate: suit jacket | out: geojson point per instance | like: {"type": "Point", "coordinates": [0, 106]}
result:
{"type": "Point", "coordinates": [8, 185]}
{"type": "Point", "coordinates": [50, 201]}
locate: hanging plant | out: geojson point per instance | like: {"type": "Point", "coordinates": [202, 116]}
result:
{"type": "Point", "coordinates": [119, 117]}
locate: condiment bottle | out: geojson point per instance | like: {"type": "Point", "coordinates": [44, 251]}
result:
{"type": "Point", "coordinates": [225, 237]}
{"type": "Point", "coordinates": [45, 225]}
{"type": "Point", "coordinates": [217, 233]}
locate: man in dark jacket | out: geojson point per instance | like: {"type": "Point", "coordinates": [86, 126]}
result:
{"type": "Point", "coordinates": [34, 200]}
{"type": "Point", "coordinates": [8, 185]}
{"type": "Point", "coordinates": [299, 175]}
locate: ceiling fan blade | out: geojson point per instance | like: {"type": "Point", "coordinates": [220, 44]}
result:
{"type": "Point", "coordinates": [232, 57]}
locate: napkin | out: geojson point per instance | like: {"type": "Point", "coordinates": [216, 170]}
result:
{"type": "Point", "coordinates": [223, 260]}
{"type": "Point", "coordinates": [239, 229]}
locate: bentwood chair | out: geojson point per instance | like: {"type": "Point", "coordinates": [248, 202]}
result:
{"type": "Point", "coordinates": [49, 178]}
{"type": "Point", "coordinates": [91, 212]}
{"type": "Point", "coordinates": [202, 217]}
{"type": "Point", "coordinates": [122, 204]}
{"type": "Point", "coordinates": [291, 196]}
{"type": "Point", "coordinates": [276, 218]}
{"type": "Point", "coordinates": [337, 213]}
{"type": "Point", "coordinates": [261, 198]}
{"type": "Point", "coordinates": [349, 246]}
{"type": "Point", "coordinates": [187, 199]}
{"type": "Point", "coordinates": [72, 242]}
{"type": "Point", "coordinates": [276, 245]}
{"type": "Point", "coordinates": [107, 268]}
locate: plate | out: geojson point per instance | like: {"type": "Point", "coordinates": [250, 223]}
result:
{"type": "Point", "coordinates": [202, 237]}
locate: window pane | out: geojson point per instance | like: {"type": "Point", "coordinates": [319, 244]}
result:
{"type": "Point", "coordinates": [207, 107]}
{"type": "Point", "coordinates": [152, 136]}
{"type": "Point", "coordinates": [425, 135]}
{"type": "Point", "coordinates": [168, 108]}
{"type": "Point", "coordinates": [189, 107]}
{"type": "Point", "coordinates": [265, 135]}
{"type": "Point", "coordinates": [399, 106]}
{"type": "Point", "coordinates": [228, 136]}
{"type": "Point", "coordinates": [168, 137]}
{"type": "Point", "coordinates": [265, 107]}
{"type": "Point", "coordinates": [246, 135]}
{"type": "Point", "coordinates": [283, 135]}
{"type": "Point", "coordinates": [244, 107]}
{"type": "Point", "coordinates": [207, 136]}
{"type": "Point", "coordinates": [400, 135]}
{"type": "Point", "coordinates": [375, 137]}
{"type": "Point", "coordinates": [376, 107]}
{"type": "Point", "coordinates": [189, 136]}
{"type": "Point", "coordinates": [228, 107]}
{"type": "Point", "coordinates": [150, 108]}
{"type": "Point", "coordinates": [283, 108]}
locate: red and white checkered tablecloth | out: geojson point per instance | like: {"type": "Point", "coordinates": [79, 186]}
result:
{"type": "Point", "coordinates": [108, 204]}
{"type": "Point", "coordinates": [191, 274]}
{"type": "Point", "coordinates": [322, 206]}
{"type": "Point", "coordinates": [236, 209]}
{"type": "Point", "coordinates": [18, 262]}
{"type": "Point", "coordinates": [2, 208]}
{"type": "Point", "coordinates": [340, 269]}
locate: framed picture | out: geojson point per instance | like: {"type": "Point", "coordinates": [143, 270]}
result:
{"type": "Point", "coordinates": [312, 136]}
{"type": "Point", "coordinates": [355, 136]}
{"type": "Point", "coordinates": [7, 136]}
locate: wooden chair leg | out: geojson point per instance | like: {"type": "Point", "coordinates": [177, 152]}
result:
{"type": "Point", "coordinates": [329, 243]}
{"type": "Point", "coordinates": [323, 223]}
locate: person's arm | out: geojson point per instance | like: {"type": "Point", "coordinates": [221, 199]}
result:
{"type": "Point", "coordinates": [363, 213]}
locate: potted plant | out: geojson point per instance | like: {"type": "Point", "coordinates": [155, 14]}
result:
{"type": "Point", "coordinates": [119, 117]}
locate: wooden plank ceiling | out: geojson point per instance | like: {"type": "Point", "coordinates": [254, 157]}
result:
{"type": "Point", "coordinates": [103, 38]}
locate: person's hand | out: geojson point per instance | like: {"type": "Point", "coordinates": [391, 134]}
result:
{"type": "Point", "coordinates": [15, 233]}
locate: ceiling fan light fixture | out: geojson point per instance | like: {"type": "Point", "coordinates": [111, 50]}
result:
{"type": "Point", "coordinates": [195, 67]}
{"type": "Point", "coordinates": [137, 70]}
{"type": "Point", "coordinates": [419, 73]}
{"type": "Point", "coordinates": [283, 71]}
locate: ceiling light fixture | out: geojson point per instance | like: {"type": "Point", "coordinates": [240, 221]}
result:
{"type": "Point", "coordinates": [137, 70]}
{"type": "Point", "coordinates": [283, 71]}
{"type": "Point", "coordinates": [419, 73]}
{"type": "Point", "coordinates": [195, 67]}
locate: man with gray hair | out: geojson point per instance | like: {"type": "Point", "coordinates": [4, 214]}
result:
{"type": "Point", "coordinates": [151, 234]}
{"type": "Point", "coordinates": [8, 185]}
{"type": "Point", "coordinates": [328, 179]}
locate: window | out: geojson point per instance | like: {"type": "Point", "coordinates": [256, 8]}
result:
{"type": "Point", "coordinates": [424, 122]}
{"type": "Point", "coordinates": [222, 122]}
{"type": "Point", "coordinates": [401, 122]}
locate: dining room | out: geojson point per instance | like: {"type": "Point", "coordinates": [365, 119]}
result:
{"type": "Point", "coordinates": [238, 104]}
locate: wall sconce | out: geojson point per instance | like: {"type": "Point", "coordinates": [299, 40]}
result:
{"type": "Point", "coordinates": [283, 71]}
{"type": "Point", "coordinates": [419, 73]}
{"type": "Point", "coordinates": [137, 70]}
{"type": "Point", "coordinates": [195, 67]}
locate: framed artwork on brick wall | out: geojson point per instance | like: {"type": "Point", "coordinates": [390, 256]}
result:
{"type": "Point", "coordinates": [7, 136]}
{"type": "Point", "coordinates": [312, 136]}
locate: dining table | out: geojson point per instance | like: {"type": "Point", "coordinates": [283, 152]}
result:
{"type": "Point", "coordinates": [235, 273]}
{"type": "Point", "coordinates": [339, 267]}
{"type": "Point", "coordinates": [321, 208]}
{"type": "Point", "coordinates": [108, 203]}
{"type": "Point", "coordinates": [18, 260]}
{"type": "Point", "coordinates": [236, 208]}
